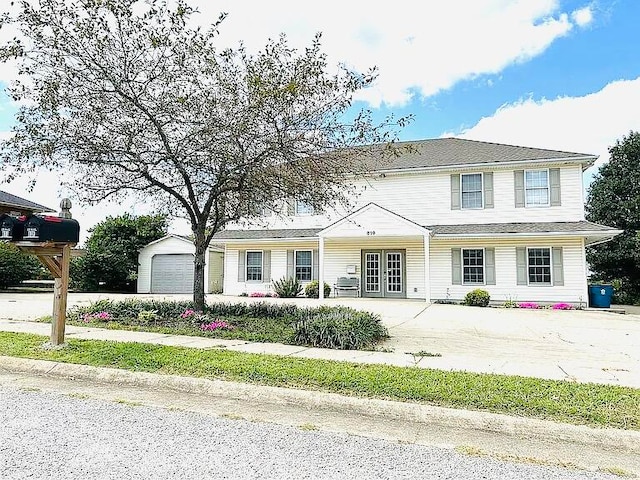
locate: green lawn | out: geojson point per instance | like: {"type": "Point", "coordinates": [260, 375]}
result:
{"type": "Point", "coordinates": [590, 404]}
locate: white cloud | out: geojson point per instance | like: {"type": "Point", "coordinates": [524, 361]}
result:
{"type": "Point", "coordinates": [423, 48]}
{"type": "Point", "coordinates": [583, 16]}
{"type": "Point", "coordinates": [588, 124]}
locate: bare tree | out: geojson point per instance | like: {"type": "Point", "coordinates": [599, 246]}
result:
{"type": "Point", "coordinates": [127, 97]}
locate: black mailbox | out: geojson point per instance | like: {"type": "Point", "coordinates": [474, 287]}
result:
{"type": "Point", "coordinates": [51, 229]}
{"type": "Point", "coordinates": [11, 228]}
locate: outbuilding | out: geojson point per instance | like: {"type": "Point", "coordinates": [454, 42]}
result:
{"type": "Point", "coordinates": [166, 266]}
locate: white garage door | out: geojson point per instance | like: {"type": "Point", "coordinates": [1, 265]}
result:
{"type": "Point", "coordinates": [172, 273]}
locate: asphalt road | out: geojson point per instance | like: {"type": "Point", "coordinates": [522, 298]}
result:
{"type": "Point", "coordinates": [54, 436]}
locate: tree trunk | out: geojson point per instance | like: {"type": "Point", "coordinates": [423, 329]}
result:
{"type": "Point", "coordinates": [198, 276]}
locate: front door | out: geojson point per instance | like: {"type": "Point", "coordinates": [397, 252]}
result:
{"type": "Point", "coordinates": [383, 273]}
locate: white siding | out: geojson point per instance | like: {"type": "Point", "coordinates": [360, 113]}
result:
{"type": "Point", "coordinates": [216, 271]}
{"type": "Point", "coordinates": [337, 255]}
{"type": "Point", "coordinates": [425, 198]}
{"type": "Point", "coordinates": [506, 288]}
{"type": "Point", "coordinates": [278, 265]}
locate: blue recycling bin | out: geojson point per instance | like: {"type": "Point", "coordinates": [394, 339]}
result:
{"type": "Point", "coordinates": [600, 295]}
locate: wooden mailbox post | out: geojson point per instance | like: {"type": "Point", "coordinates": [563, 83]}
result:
{"type": "Point", "coordinates": [50, 239]}
{"type": "Point", "coordinates": [56, 257]}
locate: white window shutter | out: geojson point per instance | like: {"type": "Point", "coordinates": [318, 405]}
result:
{"type": "Point", "coordinates": [558, 267]}
{"type": "Point", "coordinates": [456, 266]}
{"type": "Point", "coordinates": [488, 189]}
{"type": "Point", "coordinates": [455, 192]}
{"type": "Point", "coordinates": [490, 266]}
{"type": "Point", "coordinates": [266, 263]}
{"type": "Point", "coordinates": [554, 187]}
{"type": "Point", "coordinates": [242, 271]}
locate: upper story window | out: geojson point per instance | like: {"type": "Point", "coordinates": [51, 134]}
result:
{"type": "Point", "coordinates": [536, 184]}
{"type": "Point", "coordinates": [303, 208]}
{"type": "Point", "coordinates": [539, 266]}
{"type": "Point", "coordinates": [304, 264]}
{"type": "Point", "coordinates": [471, 190]}
{"type": "Point", "coordinates": [472, 265]}
{"type": "Point", "coordinates": [254, 266]}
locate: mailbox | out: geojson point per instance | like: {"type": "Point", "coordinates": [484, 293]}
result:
{"type": "Point", "coordinates": [51, 229]}
{"type": "Point", "coordinates": [11, 228]}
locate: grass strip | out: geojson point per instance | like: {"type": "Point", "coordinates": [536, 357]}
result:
{"type": "Point", "coordinates": [588, 404]}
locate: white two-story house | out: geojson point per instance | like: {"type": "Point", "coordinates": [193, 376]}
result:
{"type": "Point", "coordinates": [449, 217]}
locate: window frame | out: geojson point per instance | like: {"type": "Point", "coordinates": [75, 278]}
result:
{"type": "Point", "coordinates": [246, 266]}
{"type": "Point", "coordinates": [462, 207]}
{"type": "Point", "coordinates": [484, 266]}
{"type": "Point", "coordinates": [295, 265]}
{"type": "Point", "coordinates": [541, 284]}
{"type": "Point", "coordinates": [297, 213]}
{"type": "Point", "coordinates": [535, 205]}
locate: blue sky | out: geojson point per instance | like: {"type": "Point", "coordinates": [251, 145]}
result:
{"type": "Point", "coordinates": [543, 73]}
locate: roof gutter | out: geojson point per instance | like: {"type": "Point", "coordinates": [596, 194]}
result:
{"type": "Point", "coordinates": [586, 160]}
{"type": "Point", "coordinates": [263, 240]}
{"type": "Point", "coordinates": [582, 233]}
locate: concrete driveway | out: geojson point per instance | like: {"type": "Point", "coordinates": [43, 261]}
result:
{"type": "Point", "coordinates": [584, 346]}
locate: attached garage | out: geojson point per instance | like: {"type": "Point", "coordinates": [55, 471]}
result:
{"type": "Point", "coordinates": [166, 266]}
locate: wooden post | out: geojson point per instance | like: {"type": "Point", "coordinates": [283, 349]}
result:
{"type": "Point", "coordinates": [61, 289]}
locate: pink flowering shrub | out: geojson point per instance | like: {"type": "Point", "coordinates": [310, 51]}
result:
{"type": "Point", "coordinates": [531, 305]}
{"type": "Point", "coordinates": [262, 294]}
{"type": "Point", "coordinates": [215, 325]}
{"type": "Point", "coordinates": [562, 306]}
{"type": "Point", "coordinates": [188, 313]}
{"type": "Point", "coordinates": [99, 316]}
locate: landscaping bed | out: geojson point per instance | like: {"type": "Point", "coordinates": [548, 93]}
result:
{"type": "Point", "coordinates": [327, 327]}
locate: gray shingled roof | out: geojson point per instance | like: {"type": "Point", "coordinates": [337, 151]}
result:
{"type": "Point", "coordinates": [502, 228]}
{"type": "Point", "coordinates": [15, 201]}
{"type": "Point", "coordinates": [465, 229]}
{"type": "Point", "coordinates": [266, 234]}
{"type": "Point", "coordinates": [445, 152]}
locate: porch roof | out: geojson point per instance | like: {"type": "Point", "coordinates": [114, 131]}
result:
{"type": "Point", "coordinates": [579, 228]}
{"type": "Point", "coordinates": [526, 227]}
{"type": "Point", "coordinates": [267, 234]}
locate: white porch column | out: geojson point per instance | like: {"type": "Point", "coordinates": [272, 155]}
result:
{"type": "Point", "coordinates": [321, 268]}
{"type": "Point", "coordinates": [427, 276]}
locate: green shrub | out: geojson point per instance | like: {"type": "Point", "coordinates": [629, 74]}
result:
{"type": "Point", "coordinates": [287, 287]}
{"type": "Point", "coordinates": [338, 327]}
{"type": "Point", "coordinates": [477, 298]}
{"type": "Point", "coordinates": [311, 290]}
{"type": "Point", "coordinates": [132, 308]}
{"type": "Point", "coordinates": [16, 266]}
